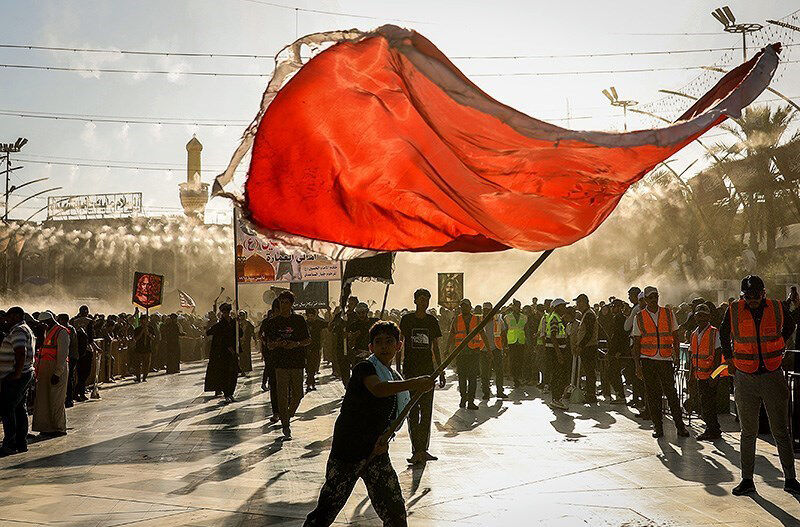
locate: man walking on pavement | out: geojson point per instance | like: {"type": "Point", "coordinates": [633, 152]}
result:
{"type": "Point", "coordinates": [421, 332]}
{"type": "Point", "coordinates": [515, 322]}
{"type": "Point", "coordinates": [49, 414]}
{"type": "Point", "coordinates": [467, 362]}
{"type": "Point", "coordinates": [705, 354]}
{"type": "Point", "coordinates": [561, 367]}
{"type": "Point", "coordinates": [752, 335]}
{"type": "Point", "coordinates": [493, 358]}
{"type": "Point", "coordinates": [656, 350]}
{"type": "Point", "coordinates": [587, 339]}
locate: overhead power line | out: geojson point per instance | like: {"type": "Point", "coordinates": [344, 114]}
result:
{"type": "Point", "coordinates": [139, 52]}
{"type": "Point", "coordinates": [231, 74]}
{"type": "Point", "coordinates": [202, 54]}
{"type": "Point", "coordinates": [113, 70]}
{"type": "Point", "coordinates": [333, 13]}
{"type": "Point", "coordinates": [111, 165]}
{"type": "Point", "coordinates": [123, 120]}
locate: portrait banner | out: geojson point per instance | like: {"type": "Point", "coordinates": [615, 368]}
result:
{"type": "Point", "coordinates": [451, 289]}
{"type": "Point", "coordinates": [147, 289]}
{"type": "Point", "coordinates": [259, 261]}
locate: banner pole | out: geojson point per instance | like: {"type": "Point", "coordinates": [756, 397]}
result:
{"type": "Point", "coordinates": [385, 296]}
{"type": "Point", "coordinates": [235, 284]}
{"type": "Point", "coordinates": [395, 425]}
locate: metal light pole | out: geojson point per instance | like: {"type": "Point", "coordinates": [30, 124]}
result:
{"type": "Point", "coordinates": [613, 98]}
{"type": "Point", "coordinates": [725, 17]}
{"type": "Point", "coordinates": [8, 149]}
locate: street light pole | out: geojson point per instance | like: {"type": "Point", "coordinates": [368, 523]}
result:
{"type": "Point", "coordinates": [724, 16]}
{"type": "Point", "coordinates": [613, 98]}
{"type": "Point", "coordinates": [8, 149]}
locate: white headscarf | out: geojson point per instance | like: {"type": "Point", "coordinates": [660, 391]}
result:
{"type": "Point", "coordinates": [386, 373]}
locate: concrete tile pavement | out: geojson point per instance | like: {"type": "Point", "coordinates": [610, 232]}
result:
{"type": "Point", "coordinates": [163, 453]}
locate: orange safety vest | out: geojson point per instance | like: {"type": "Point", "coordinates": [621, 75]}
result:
{"type": "Point", "coordinates": [498, 333]}
{"type": "Point", "coordinates": [702, 354]}
{"type": "Point", "coordinates": [49, 349]}
{"type": "Point", "coordinates": [461, 332]}
{"type": "Point", "coordinates": [745, 342]}
{"type": "Point", "coordinates": [656, 340]}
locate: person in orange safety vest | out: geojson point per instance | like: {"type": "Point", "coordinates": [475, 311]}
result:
{"type": "Point", "coordinates": [705, 355]}
{"type": "Point", "coordinates": [49, 414]}
{"type": "Point", "coordinates": [753, 334]}
{"type": "Point", "coordinates": [656, 352]}
{"type": "Point", "coordinates": [468, 361]}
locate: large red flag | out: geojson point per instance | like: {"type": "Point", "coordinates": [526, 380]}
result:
{"type": "Point", "coordinates": [381, 143]}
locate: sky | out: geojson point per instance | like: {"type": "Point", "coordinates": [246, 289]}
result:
{"type": "Point", "coordinates": [464, 28]}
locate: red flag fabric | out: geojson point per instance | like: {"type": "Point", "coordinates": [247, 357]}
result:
{"type": "Point", "coordinates": [381, 143]}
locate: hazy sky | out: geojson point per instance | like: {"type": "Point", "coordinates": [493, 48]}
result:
{"type": "Point", "coordinates": [458, 28]}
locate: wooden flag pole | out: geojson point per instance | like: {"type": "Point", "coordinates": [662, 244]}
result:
{"type": "Point", "coordinates": [398, 421]}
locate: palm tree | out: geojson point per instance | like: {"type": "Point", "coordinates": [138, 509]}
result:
{"type": "Point", "coordinates": [758, 189]}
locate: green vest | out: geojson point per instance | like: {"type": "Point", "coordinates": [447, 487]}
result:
{"type": "Point", "coordinates": [516, 328]}
{"type": "Point", "coordinates": [562, 330]}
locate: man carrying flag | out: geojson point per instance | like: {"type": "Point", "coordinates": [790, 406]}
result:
{"type": "Point", "coordinates": [375, 395]}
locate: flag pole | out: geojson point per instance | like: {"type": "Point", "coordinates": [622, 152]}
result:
{"type": "Point", "coordinates": [395, 425]}
{"type": "Point", "coordinates": [235, 285]}
{"type": "Point", "coordinates": [385, 296]}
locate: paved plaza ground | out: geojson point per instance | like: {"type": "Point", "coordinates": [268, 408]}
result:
{"type": "Point", "coordinates": [163, 453]}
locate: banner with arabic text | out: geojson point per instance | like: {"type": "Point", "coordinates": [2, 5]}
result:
{"type": "Point", "coordinates": [259, 261]}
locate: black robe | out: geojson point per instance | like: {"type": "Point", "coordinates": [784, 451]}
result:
{"type": "Point", "coordinates": [223, 364]}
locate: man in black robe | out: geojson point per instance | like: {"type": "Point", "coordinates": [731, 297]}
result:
{"type": "Point", "coordinates": [171, 343]}
{"type": "Point", "coordinates": [223, 364]}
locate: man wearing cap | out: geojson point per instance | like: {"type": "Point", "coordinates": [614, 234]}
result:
{"type": "Point", "coordinates": [587, 340]}
{"type": "Point", "coordinates": [492, 358]}
{"type": "Point", "coordinates": [467, 362]}
{"type": "Point", "coordinates": [223, 364]}
{"type": "Point", "coordinates": [556, 333]}
{"type": "Point", "coordinates": [705, 355]}
{"type": "Point", "coordinates": [16, 377]}
{"type": "Point", "coordinates": [515, 321]}
{"type": "Point", "coordinates": [49, 415]}
{"type": "Point", "coordinates": [753, 334]}
{"type": "Point", "coordinates": [421, 332]}
{"type": "Point", "coordinates": [656, 349]}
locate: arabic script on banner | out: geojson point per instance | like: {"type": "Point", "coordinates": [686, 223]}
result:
{"type": "Point", "coordinates": [258, 260]}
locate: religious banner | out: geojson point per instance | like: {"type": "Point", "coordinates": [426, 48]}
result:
{"type": "Point", "coordinates": [310, 295]}
{"type": "Point", "coordinates": [117, 205]}
{"type": "Point", "coordinates": [259, 260]}
{"type": "Point", "coordinates": [451, 289]}
{"type": "Point", "coordinates": [147, 289]}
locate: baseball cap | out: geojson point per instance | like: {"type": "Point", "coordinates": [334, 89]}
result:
{"type": "Point", "coordinates": [752, 284]}
{"type": "Point", "coordinates": [558, 302]}
{"type": "Point", "coordinates": [649, 290]}
{"type": "Point", "coordinates": [580, 297]}
{"type": "Point", "coordinates": [45, 315]}
{"type": "Point", "coordinates": [361, 307]}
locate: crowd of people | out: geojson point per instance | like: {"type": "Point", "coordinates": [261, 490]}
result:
{"type": "Point", "coordinates": [626, 351]}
